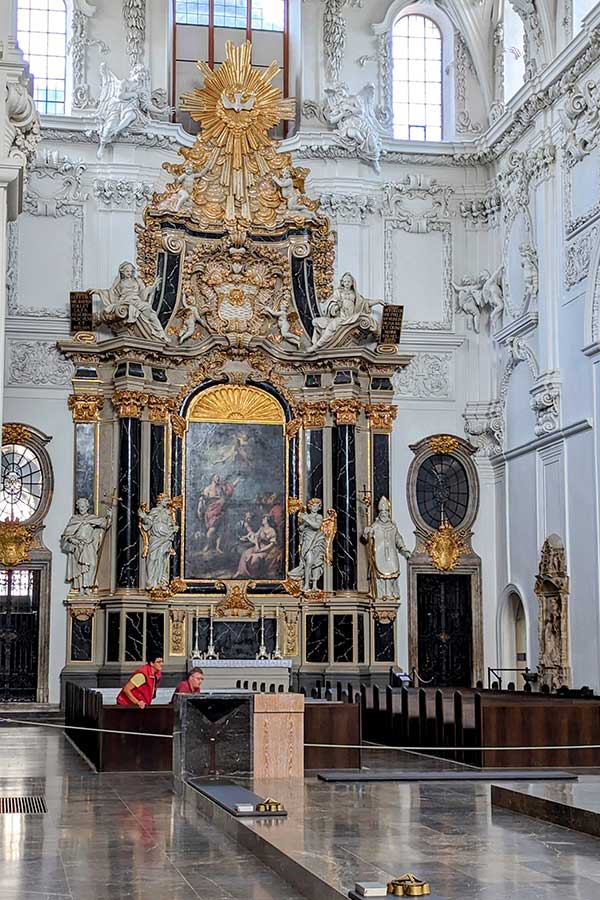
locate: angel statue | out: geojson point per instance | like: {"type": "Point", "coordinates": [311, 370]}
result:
{"type": "Point", "coordinates": [346, 309]}
{"type": "Point", "coordinates": [316, 539]}
{"type": "Point", "coordinates": [181, 197]}
{"type": "Point", "coordinates": [158, 529]}
{"type": "Point", "coordinates": [192, 316]}
{"type": "Point", "coordinates": [125, 102]}
{"type": "Point", "coordinates": [282, 316]}
{"type": "Point", "coordinates": [128, 306]}
{"type": "Point", "coordinates": [476, 292]}
{"type": "Point", "coordinates": [292, 195]}
{"type": "Point", "coordinates": [355, 120]}
{"type": "Point", "coordinates": [385, 546]}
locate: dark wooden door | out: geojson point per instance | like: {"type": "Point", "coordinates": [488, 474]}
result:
{"type": "Point", "coordinates": [19, 627]}
{"type": "Point", "coordinates": [445, 629]}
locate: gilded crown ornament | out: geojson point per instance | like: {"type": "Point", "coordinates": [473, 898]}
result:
{"type": "Point", "coordinates": [16, 540]}
{"type": "Point", "coordinates": [445, 547]}
{"type": "Point", "coordinates": [15, 433]}
{"type": "Point", "coordinates": [443, 443]}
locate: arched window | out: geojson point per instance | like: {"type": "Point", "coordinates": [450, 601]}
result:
{"type": "Point", "coordinates": [42, 36]}
{"type": "Point", "coordinates": [417, 78]}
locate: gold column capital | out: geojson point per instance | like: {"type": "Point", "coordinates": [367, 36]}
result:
{"type": "Point", "coordinates": [82, 613]}
{"type": "Point", "coordinates": [381, 415]}
{"type": "Point", "coordinates": [85, 407]}
{"type": "Point", "coordinates": [129, 404]}
{"type": "Point", "coordinates": [160, 408]}
{"type": "Point", "coordinates": [314, 413]}
{"type": "Point", "coordinates": [345, 410]}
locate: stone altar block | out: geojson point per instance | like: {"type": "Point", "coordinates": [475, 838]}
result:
{"type": "Point", "coordinates": [233, 733]}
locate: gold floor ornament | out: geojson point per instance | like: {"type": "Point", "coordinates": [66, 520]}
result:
{"type": "Point", "coordinates": [269, 805]}
{"type": "Point", "coordinates": [16, 540]}
{"type": "Point", "coordinates": [445, 547]}
{"type": "Point", "coordinates": [408, 886]}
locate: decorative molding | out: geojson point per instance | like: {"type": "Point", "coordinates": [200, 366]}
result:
{"type": "Point", "coordinates": [463, 65]}
{"type": "Point", "coordinates": [426, 377]}
{"type": "Point", "coordinates": [497, 107]}
{"type": "Point", "coordinates": [416, 187]}
{"type": "Point", "coordinates": [134, 15]}
{"type": "Point", "coordinates": [581, 121]}
{"type": "Point", "coordinates": [484, 426]}
{"type": "Point", "coordinates": [160, 409]}
{"type": "Point", "coordinates": [129, 404]}
{"type": "Point", "coordinates": [334, 35]}
{"type": "Point", "coordinates": [534, 50]}
{"type": "Point", "coordinates": [149, 139]}
{"type": "Point", "coordinates": [545, 403]}
{"type": "Point", "coordinates": [314, 414]}
{"type": "Point", "coordinates": [114, 193]}
{"type": "Point", "coordinates": [345, 410]}
{"type": "Point", "coordinates": [22, 123]}
{"type": "Point", "coordinates": [15, 433]}
{"type": "Point", "coordinates": [37, 362]}
{"type": "Point", "coordinates": [579, 256]}
{"type": "Point", "coordinates": [381, 416]}
{"type": "Point", "coordinates": [85, 407]}
{"type": "Point", "coordinates": [347, 207]}
{"type": "Point", "coordinates": [83, 12]}
{"type": "Point", "coordinates": [446, 444]}
{"type": "Point", "coordinates": [481, 212]}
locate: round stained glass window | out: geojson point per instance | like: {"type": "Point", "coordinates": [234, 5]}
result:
{"type": "Point", "coordinates": [442, 490]}
{"type": "Point", "coordinates": [22, 483]}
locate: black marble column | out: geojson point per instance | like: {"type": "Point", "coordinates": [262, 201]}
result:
{"type": "Point", "coordinates": [344, 502]}
{"type": "Point", "coordinates": [294, 491]}
{"type": "Point", "coordinates": [380, 456]}
{"type": "Point", "coordinates": [176, 488]}
{"type": "Point", "coordinates": [157, 462]}
{"type": "Point", "coordinates": [81, 640]}
{"type": "Point", "coordinates": [128, 535]}
{"type": "Point", "coordinates": [314, 463]}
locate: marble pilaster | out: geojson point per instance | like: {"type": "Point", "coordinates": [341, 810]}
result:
{"type": "Point", "coordinates": [128, 535]}
{"type": "Point", "coordinates": [344, 501]}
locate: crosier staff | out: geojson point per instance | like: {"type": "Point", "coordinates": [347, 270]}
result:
{"type": "Point", "coordinates": [109, 511]}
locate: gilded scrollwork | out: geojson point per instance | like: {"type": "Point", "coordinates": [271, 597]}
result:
{"type": "Point", "coordinates": [129, 404]}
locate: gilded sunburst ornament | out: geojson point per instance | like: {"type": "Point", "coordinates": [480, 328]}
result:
{"type": "Point", "coordinates": [236, 108]}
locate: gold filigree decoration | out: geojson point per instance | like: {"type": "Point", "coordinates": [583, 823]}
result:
{"type": "Point", "coordinates": [85, 407]}
{"type": "Point", "coordinates": [160, 408]}
{"type": "Point", "coordinates": [445, 547]}
{"type": "Point", "coordinates": [314, 414]}
{"type": "Point", "coordinates": [329, 529]}
{"type": "Point", "coordinates": [443, 443]}
{"type": "Point", "coordinates": [294, 505]}
{"type": "Point", "coordinates": [384, 615]}
{"type": "Point", "coordinates": [293, 427]}
{"type": "Point", "coordinates": [177, 632]}
{"type": "Point", "coordinates": [211, 366]}
{"type": "Point", "coordinates": [149, 243]}
{"type": "Point", "coordinates": [290, 633]}
{"type": "Point", "coordinates": [236, 601]}
{"type": "Point", "coordinates": [129, 404]}
{"type": "Point", "coordinates": [15, 433]}
{"type": "Point", "coordinates": [236, 403]}
{"type": "Point", "coordinates": [381, 415]}
{"type": "Point", "coordinates": [82, 613]}
{"type": "Point", "coordinates": [16, 540]}
{"type": "Point", "coordinates": [323, 257]}
{"type": "Point", "coordinates": [179, 426]}
{"type": "Point", "coordinates": [291, 585]}
{"type": "Point", "coordinates": [345, 410]}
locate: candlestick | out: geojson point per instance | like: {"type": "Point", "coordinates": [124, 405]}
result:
{"type": "Point", "coordinates": [211, 652]}
{"type": "Point", "coordinates": [196, 649]}
{"type": "Point", "coordinates": [277, 652]}
{"type": "Point", "coordinates": [262, 650]}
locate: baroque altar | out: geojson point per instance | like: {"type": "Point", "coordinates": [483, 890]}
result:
{"type": "Point", "coordinates": [232, 412]}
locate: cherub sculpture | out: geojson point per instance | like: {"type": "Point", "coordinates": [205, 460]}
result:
{"type": "Point", "coordinates": [292, 195]}
{"type": "Point", "coordinates": [282, 316]}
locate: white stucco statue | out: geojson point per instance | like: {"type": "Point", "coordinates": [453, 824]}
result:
{"type": "Point", "coordinates": [529, 265]}
{"type": "Point", "coordinates": [346, 311]}
{"type": "Point", "coordinates": [292, 195]}
{"type": "Point", "coordinates": [385, 546]}
{"type": "Point", "coordinates": [125, 102]}
{"type": "Point", "coordinates": [158, 529]}
{"type": "Point", "coordinates": [476, 292]}
{"type": "Point", "coordinates": [282, 315]}
{"type": "Point", "coordinates": [316, 535]}
{"type": "Point", "coordinates": [81, 542]}
{"type": "Point", "coordinates": [354, 118]}
{"type": "Point", "coordinates": [128, 305]}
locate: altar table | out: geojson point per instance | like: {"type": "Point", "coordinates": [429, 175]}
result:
{"type": "Point", "coordinates": [221, 674]}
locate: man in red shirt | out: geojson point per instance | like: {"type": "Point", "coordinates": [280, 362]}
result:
{"type": "Point", "coordinates": [191, 684]}
{"type": "Point", "coordinates": [140, 690]}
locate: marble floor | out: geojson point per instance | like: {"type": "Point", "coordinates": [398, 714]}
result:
{"type": "Point", "coordinates": [125, 837]}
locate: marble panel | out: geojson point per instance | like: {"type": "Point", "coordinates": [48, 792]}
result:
{"type": "Point", "coordinates": [85, 461]}
{"type": "Point", "coordinates": [314, 463]}
{"type": "Point", "coordinates": [234, 639]}
{"type": "Point", "coordinates": [157, 462]}
{"type": "Point", "coordinates": [166, 296]}
{"type": "Point", "coordinates": [312, 380]}
{"type": "Point", "coordinates": [384, 641]}
{"type": "Point", "coordinates": [176, 488]}
{"type": "Point", "coordinates": [360, 638]}
{"type": "Point", "coordinates": [128, 535]}
{"type": "Point", "coordinates": [294, 491]}
{"type": "Point", "coordinates": [317, 638]}
{"type": "Point", "coordinates": [344, 501]}
{"type": "Point", "coordinates": [81, 640]}
{"type": "Point", "coordinates": [212, 735]}
{"type": "Point", "coordinates": [305, 296]}
{"type": "Point", "coordinates": [159, 375]}
{"type": "Point", "coordinates": [380, 454]}
{"type": "Point", "coordinates": [155, 634]}
{"type": "Point", "coordinates": [134, 637]}
{"type": "Point", "coordinates": [113, 636]}
{"type": "Point", "coordinates": [343, 638]}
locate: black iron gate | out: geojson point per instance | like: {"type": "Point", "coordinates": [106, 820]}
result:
{"type": "Point", "coordinates": [445, 629]}
{"type": "Point", "coordinates": [19, 627]}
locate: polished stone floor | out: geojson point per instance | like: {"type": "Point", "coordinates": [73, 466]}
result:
{"type": "Point", "coordinates": [111, 837]}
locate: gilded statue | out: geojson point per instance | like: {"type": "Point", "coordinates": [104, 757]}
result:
{"type": "Point", "coordinates": [128, 305]}
{"type": "Point", "coordinates": [385, 546]}
{"type": "Point", "coordinates": [81, 542]}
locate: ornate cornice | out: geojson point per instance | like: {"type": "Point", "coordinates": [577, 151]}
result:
{"type": "Point", "coordinates": [381, 415]}
{"type": "Point", "coordinates": [85, 407]}
{"type": "Point", "coordinates": [129, 404]}
{"type": "Point", "coordinates": [345, 410]}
